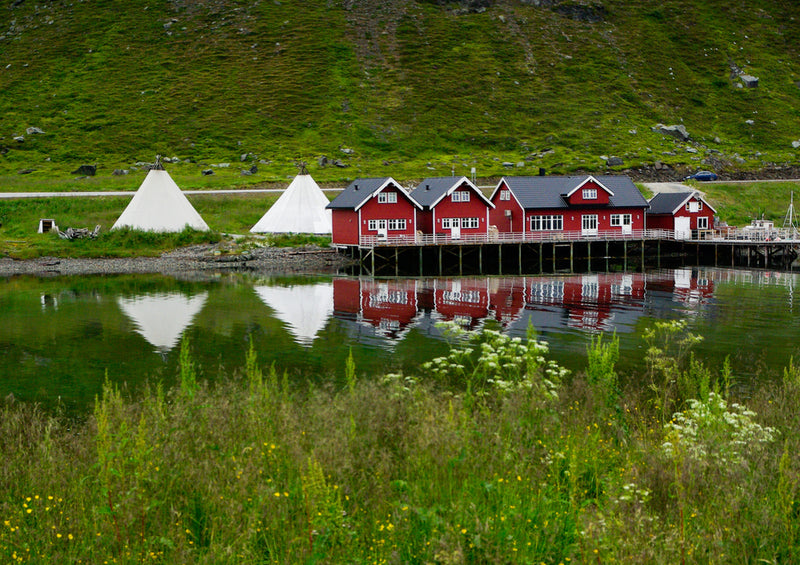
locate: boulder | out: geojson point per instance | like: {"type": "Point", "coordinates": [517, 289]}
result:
{"type": "Point", "coordinates": [338, 163]}
{"type": "Point", "coordinates": [614, 162]}
{"type": "Point", "coordinates": [19, 138]}
{"type": "Point", "coordinates": [795, 144]}
{"type": "Point", "coordinates": [85, 170]}
{"type": "Point", "coordinates": [119, 172]}
{"type": "Point", "coordinates": [749, 81]}
{"type": "Point", "coordinates": [33, 130]}
{"type": "Point", "coordinates": [677, 131]}
{"type": "Point", "coordinates": [322, 161]}
{"type": "Point", "coordinates": [207, 172]}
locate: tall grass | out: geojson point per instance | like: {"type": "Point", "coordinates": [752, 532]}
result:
{"type": "Point", "coordinates": [405, 470]}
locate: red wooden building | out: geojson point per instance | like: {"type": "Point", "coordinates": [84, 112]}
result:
{"type": "Point", "coordinates": [376, 207]}
{"type": "Point", "coordinates": [682, 212]}
{"type": "Point", "coordinates": [578, 205]}
{"type": "Point", "coordinates": [452, 207]}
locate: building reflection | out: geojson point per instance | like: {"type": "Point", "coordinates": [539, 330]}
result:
{"type": "Point", "coordinates": [597, 302]}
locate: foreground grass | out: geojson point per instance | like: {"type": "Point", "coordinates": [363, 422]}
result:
{"type": "Point", "coordinates": [494, 457]}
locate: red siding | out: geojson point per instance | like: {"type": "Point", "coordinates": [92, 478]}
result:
{"type": "Point", "coordinates": [497, 215]}
{"type": "Point", "coordinates": [667, 221]}
{"type": "Point", "coordinates": [572, 217]}
{"type": "Point", "coordinates": [577, 197]}
{"type": "Point", "coordinates": [475, 208]}
{"type": "Point", "coordinates": [403, 209]}
{"type": "Point", "coordinates": [345, 227]}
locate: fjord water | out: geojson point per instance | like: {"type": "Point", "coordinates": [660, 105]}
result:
{"type": "Point", "coordinates": [61, 337]}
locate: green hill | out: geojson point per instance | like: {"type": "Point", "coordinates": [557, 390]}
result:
{"type": "Point", "coordinates": [407, 88]}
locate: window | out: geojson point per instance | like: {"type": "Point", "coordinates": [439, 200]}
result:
{"type": "Point", "coordinates": [397, 225]}
{"type": "Point", "coordinates": [547, 223]}
{"type": "Point", "coordinates": [469, 223]}
{"type": "Point", "coordinates": [621, 220]}
{"type": "Point", "coordinates": [375, 225]}
{"type": "Point", "coordinates": [590, 194]}
{"type": "Point", "coordinates": [589, 222]}
{"type": "Point", "coordinates": [387, 197]}
{"type": "Point", "coordinates": [702, 222]}
{"type": "Point", "coordinates": [505, 195]}
{"type": "Point", "coordinates": [449, 223]}
{"type": "Point", "coordinates": [460, 196]}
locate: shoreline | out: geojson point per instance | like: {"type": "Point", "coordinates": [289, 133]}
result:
{"type": "Point", "coordinates": [196, 258]}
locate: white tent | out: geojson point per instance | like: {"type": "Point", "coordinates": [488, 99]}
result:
{"type": "Point", "coordinates": [160, 206]}
{"type": "Point", "coordinates": [162, 318]}
{"type": "Point", "coordinates": [305, 309]}
{"type": "Point", "coordinates": [300, 209]}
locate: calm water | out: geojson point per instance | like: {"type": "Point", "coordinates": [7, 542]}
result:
{"type": "Point", "coordinates": [59, 337]}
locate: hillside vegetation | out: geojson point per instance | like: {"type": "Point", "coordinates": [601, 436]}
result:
{"type": "Point", "coordinates": [407, 88]}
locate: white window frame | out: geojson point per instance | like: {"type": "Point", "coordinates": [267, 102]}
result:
{"type": "Point", "coordinates": [589, 223]}
{"type": "Point", "coordinates": [505, 195]}
{"type": "Point", "coordinates": [470, 223]}
{"type": "Point", "coordinates": [387, 197]}
{"type": "Point", "coordinates": [450, 223]}
{"type": "Point", "coordinates": [397, 224]}
{"type": "Point", "coordinates": [550, 222]}
{"type": "Point", "coordinates": [460, 196]}
{"type": "Point", "coordinates": [590, 194]}
{"type": "Point", "coordinates": [616, 220]}
{"type": "Point", "coordinates": [375, 225]}
{"type": "Point", "coordinates": [702, 222]}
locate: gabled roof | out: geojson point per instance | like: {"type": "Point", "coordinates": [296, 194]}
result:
{"type": "Point", "coordinates": [433, 190]}
{"type": "Point", "coordinates": [549, 192]}
{"type": "Point", "coordinates": [590, 178]}
{"type": "Point", "coordinates": [671, 202]}
{"type": "Point", "coordinates": [361, 190]}
{"type": "Point", "coordinates": [300, 209]}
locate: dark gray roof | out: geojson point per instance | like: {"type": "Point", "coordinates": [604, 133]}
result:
{"type": "Point", "coordinates": [669, 202]}
{"type": "Point", "coordinates": [549, 192]}
{"type": "Point", "coordinates": [359, 192]}
{"type": "Point", "coordinates": [433, 189]}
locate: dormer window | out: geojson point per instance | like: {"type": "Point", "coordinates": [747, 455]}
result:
{"type": "Point", "coordinates": [505, 195]}
{"type": "Point", "coordinates": [387, 197]}
{"type": "Point", "coordinates": [460, 196]}
{"type": "Point", "coordinates": [590, 194]}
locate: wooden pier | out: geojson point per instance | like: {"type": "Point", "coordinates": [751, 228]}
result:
{"type": "Point", "coordinates": [570, 252]}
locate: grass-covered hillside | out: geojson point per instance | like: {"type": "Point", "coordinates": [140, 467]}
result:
{"type": "Point", "coordinates": [407, 88]}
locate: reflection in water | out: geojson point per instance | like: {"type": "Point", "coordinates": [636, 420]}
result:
{"type": "Point", "coordinates": [60, 338]}
{"type": "Point", "coordinates": [587, 303]}
{"type": "Point", "coordinates": [162, 318]}
{"type": "Point", "coordinates": [304, 309]}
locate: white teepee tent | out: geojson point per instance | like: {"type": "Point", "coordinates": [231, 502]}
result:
{"type": "Point", "coordinates": [300, 209]}
{"type": "Point", "coordinates": [160, 206]}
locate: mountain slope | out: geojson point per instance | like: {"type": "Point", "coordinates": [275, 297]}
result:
{"type": "Point", "coordinates": [409, 86]}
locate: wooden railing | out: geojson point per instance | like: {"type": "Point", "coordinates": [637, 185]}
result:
{"type": "Point", "coordinates": [518, 237]}
{"type": "Point", "coordinates": [727, 235]}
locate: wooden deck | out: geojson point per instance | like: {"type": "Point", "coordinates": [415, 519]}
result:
{"type": "Point", "coordinates": [540, 252]}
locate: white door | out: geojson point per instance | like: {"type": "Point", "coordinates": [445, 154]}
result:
{"type": "Point", "coordinates": [589, 224]}
{"type": "Point", "coordinates": [627, 224]}
{"type": "Point", "coordinates": [683, 228]}
{"type": "Point", "coordinates": [455, 228]}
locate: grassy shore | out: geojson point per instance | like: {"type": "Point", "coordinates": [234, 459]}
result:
{"type": "Point", "coordinates": [491, 455]}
